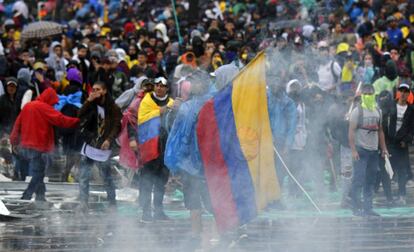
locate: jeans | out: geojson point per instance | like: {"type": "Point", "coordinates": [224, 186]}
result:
{"type": "Point", "coordinates": [154, 175]}
{"type": "Point", "coordinates": [346, 170]}
{"type": "Point", "coordinates": [37, 165]}
{"type": "Point", "coordinates": [21, 167]}
{"type": "Point", "coordinates": [364, 176]}
{"type": "Point", "coordinates": [85, 173]}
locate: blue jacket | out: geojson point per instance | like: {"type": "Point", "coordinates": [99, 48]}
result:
{"type": "Point", "coordinates": [283, 118]}
{"type": "Point", "coordinates": [394, 36]}
{"type": "Point", "coordinates": [181, 151]}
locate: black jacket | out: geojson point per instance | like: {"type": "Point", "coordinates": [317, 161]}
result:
{"type": "Point", "coordinates": [389, 124]}
{"type": "Point", "coordinates": [71, 139]}
{"type": "Point", "coordinates": [9, 110]}
{"type": "Point", "coordinates": [88, 115]}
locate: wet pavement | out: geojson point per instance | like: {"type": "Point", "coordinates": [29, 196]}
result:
{"type": "Point", "coordinates": [57, 226]}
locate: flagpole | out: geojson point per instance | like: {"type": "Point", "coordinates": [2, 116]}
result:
{"type": "Point", "coordinates": [296, 181]}
{"type": "Point", "coordinates": [177, 25]}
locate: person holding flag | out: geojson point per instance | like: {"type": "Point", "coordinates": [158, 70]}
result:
{"type": "Point", "coordinates": [234, 139]}
{"type": "Point", "coordinates": [152, 138]}
{"type": "Point", "coordinates": [181, 155]}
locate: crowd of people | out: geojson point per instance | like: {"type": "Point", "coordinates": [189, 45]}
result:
{"type": "Point", "coordinates": [339, 90]}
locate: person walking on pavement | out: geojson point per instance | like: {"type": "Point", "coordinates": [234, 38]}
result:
{"type": "Point", "coordinates": [100, 124]}
{"type": "Point", "coordinates": [33, 137]}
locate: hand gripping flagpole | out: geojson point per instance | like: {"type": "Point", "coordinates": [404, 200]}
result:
{"type": "Point", "coordinates": [296, 181]}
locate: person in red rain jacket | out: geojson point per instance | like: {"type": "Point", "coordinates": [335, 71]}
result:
{"type": "Point", "coordinates": [33, 137]}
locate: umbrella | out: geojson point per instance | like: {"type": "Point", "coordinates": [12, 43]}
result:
{"type": "Point", "coordinates": [41, 29]}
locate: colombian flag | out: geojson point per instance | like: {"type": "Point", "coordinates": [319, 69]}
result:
{"type": "Point", "coordinates": [235, 143]}
{"type": "Point", "coordinates": [149, 125]}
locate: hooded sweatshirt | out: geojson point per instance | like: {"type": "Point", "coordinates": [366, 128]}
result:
{"type": "Point", "coordinates": [33, 128]}
{"type": "Point", "coordinates": [389, 80]}
{"type": "Point", "coordinates": [128, 96]}
{"type": "Point", "coordinates": [58, 64]}
{"type": "Point", "coordinates": [28, 90]}
{"type": "Point", "coordinates": [161, 32]}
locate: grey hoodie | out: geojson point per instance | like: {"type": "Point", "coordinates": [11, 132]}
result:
{"type": "Point", "coordinates": [24, 75]}
{"type": "Point", "coordinates": [58, 64]}
{"type": "Point", "coordinates": [126, 97]}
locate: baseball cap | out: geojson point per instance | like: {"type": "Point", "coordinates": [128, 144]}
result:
{"type": "Point", "coordinates": [342, 47]}
{"type": "Point", "coordinates": [404, 86]}
{"type": "Point", "coordinates": [39, 65]}
{"type": "Point", "coordinates": [11, 81]}
{"type": "Point", "coordinates": [146, 82]}
{"type": "Point", "coordinates": [322, 44]}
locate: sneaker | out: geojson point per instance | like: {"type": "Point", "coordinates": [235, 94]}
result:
{"type": "Point", "coordinates": [161, 216]}
{"type": "Point", "coordinates": [25, 197]}
{"type": "Point", "coordinates": [401, 201]}
{"type": "Point", "coordinates": [146, 218]}
{"type": "Point", "coordinates": [371, 213]}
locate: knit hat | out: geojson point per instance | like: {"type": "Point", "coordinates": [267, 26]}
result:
{"type": "Point", "coordinates": [74, 75]}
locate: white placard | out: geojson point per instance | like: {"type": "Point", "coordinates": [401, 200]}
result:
{"type": "Point", "coordinates": [3, 209]}
{"type": "Point", "coordinates": [388, 167]}
{"type": "Point", "coordinates": [94, 153]}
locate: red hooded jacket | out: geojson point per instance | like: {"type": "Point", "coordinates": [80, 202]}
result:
{"type": "Point", "coordinates": [33, 128]}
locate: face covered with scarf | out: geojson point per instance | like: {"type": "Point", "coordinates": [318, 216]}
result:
{"type": "Point", "coordinates": [368, 98]}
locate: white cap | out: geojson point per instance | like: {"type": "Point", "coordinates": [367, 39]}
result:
{"type": "Point", "coordinates": [322, 44]}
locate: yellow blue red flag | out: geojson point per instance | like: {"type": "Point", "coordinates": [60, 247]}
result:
{"type": "Point", "coordinates": [149, 125]}
{"type": "Point", "coordinates": [236, 148]}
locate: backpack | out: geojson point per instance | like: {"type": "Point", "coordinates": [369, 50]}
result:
{"type": "Point", "coordinates": [336, 77]}
{"type": "Point", "coordinates": [361, 116]}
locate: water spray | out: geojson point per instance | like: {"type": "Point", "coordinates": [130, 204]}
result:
{"type": "Point", "coordinates": [296, 181]}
